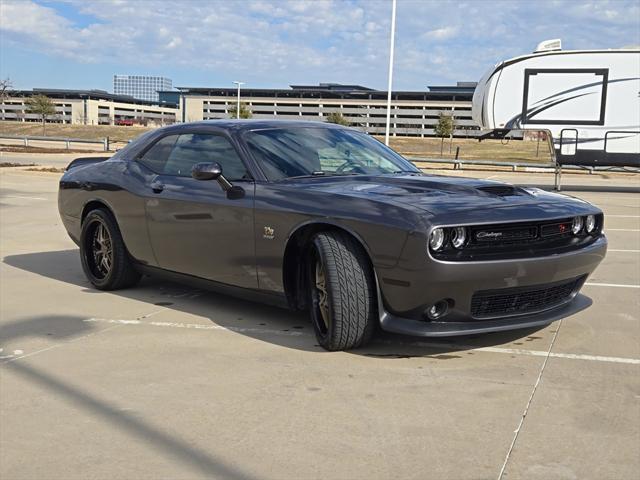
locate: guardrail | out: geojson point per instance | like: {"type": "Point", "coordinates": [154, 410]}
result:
{"type": "Point", "coordinates": [104, 142]}
{"type": "Point", "coordinates": [557, 168]}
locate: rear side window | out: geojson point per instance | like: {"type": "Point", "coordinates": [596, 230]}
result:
{"type": "Point", "coordinates": [156, 157]}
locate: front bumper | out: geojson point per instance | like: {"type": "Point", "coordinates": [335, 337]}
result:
{"type": "Point", "coordinates": [403, 304]}
{"type": "Point", "coordinates": [418, 328]}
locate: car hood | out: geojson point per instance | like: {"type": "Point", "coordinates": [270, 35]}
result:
{"type": "Point", "coordinates": [433, 193]}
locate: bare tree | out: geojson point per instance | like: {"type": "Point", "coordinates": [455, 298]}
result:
{"type": "Point", "coordinates": [6, 86]}
{"type": "Point", "coordinates": [42, 106]}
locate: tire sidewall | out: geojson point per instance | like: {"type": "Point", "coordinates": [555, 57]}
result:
{"type": "Point", "coordinates": [93, 217]}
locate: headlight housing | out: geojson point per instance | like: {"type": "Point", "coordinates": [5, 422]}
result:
{"type": "Point", "coordinates": [590, 223]}
{"type": "Point", "coordinates": [436, 240]}
{"type": "Point", "coordinates": [576, 225]}
{"type": "Point", "coordinates": [458, 237]}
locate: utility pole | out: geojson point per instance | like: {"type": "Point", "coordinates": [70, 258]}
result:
{"type": "Point", "coordinates": [393, 34]}
{"type": "Point", "coordinates": [238, 106]}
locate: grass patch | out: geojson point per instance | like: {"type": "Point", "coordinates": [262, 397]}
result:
{"type": "Point", "coordinates": [11, 164]}
{"type": "Point", "coordinates": [116, 133]}
{"type": "Point", "coordinates": [46, 169]}
{"type": "Point", "coordinates": [525, 151]}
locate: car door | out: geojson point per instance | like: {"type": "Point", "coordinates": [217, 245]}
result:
{"type": "Point", "coordinates": [194, 227]}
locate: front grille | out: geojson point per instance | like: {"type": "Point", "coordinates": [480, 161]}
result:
{"type": "Point", "coordinates": [504, 235]}
{"type": "Point", "coordinates": [521, 300]}
{"type": "Point", "coordinates": [519, 240]}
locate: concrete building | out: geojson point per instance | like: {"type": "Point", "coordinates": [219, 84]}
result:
{"type": "Point", "coordinates": [89, 107]}
{"type": "Point", "coordinates": [143, 87]}
{"type": "Point", "coordinates": [413, 113]}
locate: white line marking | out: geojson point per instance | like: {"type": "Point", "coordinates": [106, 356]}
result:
{"type": "Point", "coordinates": [438, 345]}
{"type": "Point", "coordinates": [629, 251]}
{"type": "Point", "coordinates": [622, 230]}
{"type": "Point", "coordinates": [197, 326]}
{"type": "Point", "coordinates": [623, 216]}
{"type": "Point", "coordinates": [526, 408]}
{"type": "Point", "coordinates": [12, 358]}
{"type": "Point", "coordinates": [615, 285]}
{"type": "Point", "coordinates": [23, 197]}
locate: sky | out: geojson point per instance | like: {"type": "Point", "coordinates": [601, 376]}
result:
{"type": "Point", "coordinates": [276, 43]}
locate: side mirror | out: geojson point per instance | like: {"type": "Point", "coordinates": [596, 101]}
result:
{"type": "Point", "coordinates": [210, 171]}
{"type": "Point", "coordinates": [206, 171]}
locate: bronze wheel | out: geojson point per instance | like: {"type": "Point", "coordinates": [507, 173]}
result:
{"type": "Point", "coordinates": [322, 298]}
{"type": "Point", "coordinates": [105, 259]}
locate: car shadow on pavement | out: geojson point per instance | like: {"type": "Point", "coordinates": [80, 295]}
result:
{"type": "Point", "coordinates": [62, 329]}
{"type": "Point", "coordinates": [266, 323]}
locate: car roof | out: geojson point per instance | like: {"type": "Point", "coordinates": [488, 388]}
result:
{"type": "Point", "coordinates": [250, 124]}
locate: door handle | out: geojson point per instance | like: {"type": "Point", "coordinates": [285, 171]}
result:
{"type": "Point", "coordinates": [157, 187]}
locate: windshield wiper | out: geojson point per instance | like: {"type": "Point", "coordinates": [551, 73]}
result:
{"type": "Point", "coordinates": [312, 174]}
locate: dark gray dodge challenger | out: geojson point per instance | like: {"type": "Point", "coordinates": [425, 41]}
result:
{"type": "Point", "coordinates": [325, 218]}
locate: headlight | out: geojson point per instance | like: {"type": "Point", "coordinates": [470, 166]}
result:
{"type": "Point", "coordinates": [458, 237]}
{"type": "Point", "coordinates": [576, 226]}
{"type": "Point", "coordinates": [591, 223]}
{"type": "Point", "coordinates": [436, 240]}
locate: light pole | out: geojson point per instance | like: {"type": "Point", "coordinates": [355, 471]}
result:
{"type": "Point", "coordinates": [393, 34]}
{"type": "Point", "coordinates": [238, 106]}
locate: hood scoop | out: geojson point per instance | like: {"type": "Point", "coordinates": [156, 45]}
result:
{"type": "Point", "coordinates": [502, 190]}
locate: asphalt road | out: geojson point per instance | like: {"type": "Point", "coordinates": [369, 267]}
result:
{"type": "Point", "coordinates": [163, 381]}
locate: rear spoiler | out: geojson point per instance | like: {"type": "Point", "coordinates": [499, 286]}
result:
{"type": "Point", "coordinates": [81, 162]}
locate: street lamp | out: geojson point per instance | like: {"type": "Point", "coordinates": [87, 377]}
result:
{"type": "Point", "coordinates": [238, 106]}
{"type": "Point", "coordinates": [392, 41]}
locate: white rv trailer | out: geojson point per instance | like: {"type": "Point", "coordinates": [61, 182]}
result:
{"type": "Point", "coordinates": [588, 100]}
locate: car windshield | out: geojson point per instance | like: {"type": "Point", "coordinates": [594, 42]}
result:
{"type": "Point", "coordinates": [317, 151]}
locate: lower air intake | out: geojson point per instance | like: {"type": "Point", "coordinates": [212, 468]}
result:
{"type": "Point", "coordinates": [521, 300]}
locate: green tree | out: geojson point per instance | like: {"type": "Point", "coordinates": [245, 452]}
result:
{"type": "Point", "coordinates": [444, 128]}
{"type": "Point", "coordinates": [337, 118]}
{"type": "Point", "coordinates": [244, 111]}
{"type": "Point", "coordinates": [42, 106]}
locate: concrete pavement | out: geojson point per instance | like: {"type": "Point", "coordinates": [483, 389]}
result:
{"type": "Point", "coordinates": [163, 381]}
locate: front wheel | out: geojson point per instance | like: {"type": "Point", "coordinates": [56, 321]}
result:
{"type": "Point", "coordinates": [105, 259]}
{"type": "Point", "coordinates": [342, 292]}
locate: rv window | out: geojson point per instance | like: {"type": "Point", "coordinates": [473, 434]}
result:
{"type": "Point", "coordinates": [568, 141]}
{"type": "Point", "coordinates": [564, 96]}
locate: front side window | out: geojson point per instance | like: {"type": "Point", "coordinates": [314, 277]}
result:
{"type": "Point", "coordinates": [177, 154]}
{"type": "Point", "coordinates": [302, 151]}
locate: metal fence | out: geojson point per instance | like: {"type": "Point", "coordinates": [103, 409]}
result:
{"type": "Point", "coordinates": [103, 142]}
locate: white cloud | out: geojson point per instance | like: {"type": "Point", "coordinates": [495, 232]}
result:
{"type": "Point", "coordinates": [442, 33]}
{"type": "Point", "coordinates": [276, 42]}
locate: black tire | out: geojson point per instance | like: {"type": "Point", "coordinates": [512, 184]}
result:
{"type": "Point", "coordinates": [99, 232]}
{"type": "Point", "coordinates": [349, 292]}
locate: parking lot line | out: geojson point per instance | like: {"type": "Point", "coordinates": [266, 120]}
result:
{"type": "Point", "coordinates": [619, 250]}
{"type": "Point", "coordinates": [623, 216]}
{"type": "Point", "coordinates": [614, 285]}
{"type": "Point", "coordinates": [621, 230]}
{"type": "Point", "coordinates": [437, 345]}
{"type": "Point", "coordinates": [526, 408]}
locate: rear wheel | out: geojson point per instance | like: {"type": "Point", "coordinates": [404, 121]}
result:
{"type": "Point", "coordinates": [105, 260]}
{"type": "Point", "coordinates": [342, 292]}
